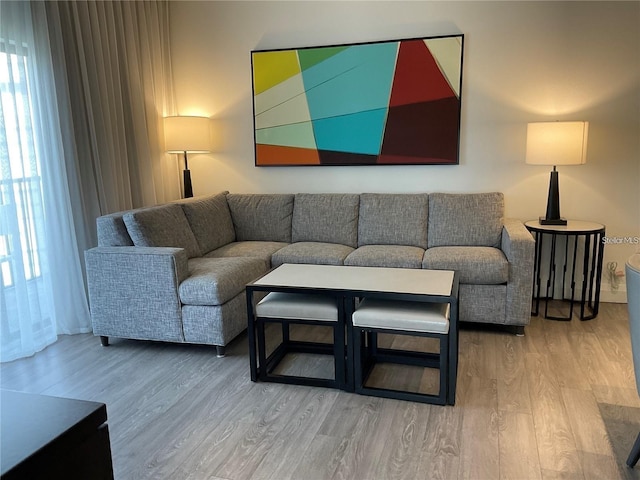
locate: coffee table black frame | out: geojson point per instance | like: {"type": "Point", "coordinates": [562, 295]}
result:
{"type": "Point", "coordinates": [345, 299]}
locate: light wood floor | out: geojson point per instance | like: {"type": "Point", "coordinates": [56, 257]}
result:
{"type": "Point", "coordinates": [526, 408]}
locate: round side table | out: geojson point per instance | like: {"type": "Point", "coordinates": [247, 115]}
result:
{"type": "Point", "coordinates": [564, 255]}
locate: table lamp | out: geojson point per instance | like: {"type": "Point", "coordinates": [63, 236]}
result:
{"type": "Point", "coordinates": [556, 143]}
{"type": "Point", "coordinates": [187, 134]}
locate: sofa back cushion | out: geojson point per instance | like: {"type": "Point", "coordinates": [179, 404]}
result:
{"type": "Point", "coordinates": [393, 219]}
{"type": "Point", "coordinates": [112, 232]}
{"type": "Point", "coordinates": [326, 217]}
{"type": "Point", "coordinates": [162, 226]}
{"type": "Point", "coordinates": [210, 221]}
{"type": "Point", "coordinates": [473, 219]}
{"type": "Point", "coordinates": [261, 217]}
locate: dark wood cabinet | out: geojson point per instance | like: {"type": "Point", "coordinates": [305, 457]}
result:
{"type": "Point", "coordinates": [50, 437]}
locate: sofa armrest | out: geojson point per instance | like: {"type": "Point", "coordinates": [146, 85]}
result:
{"type": "Point", "coordinates": [518, 246]}
{"type": "Point", "coordinates": [133, 291]}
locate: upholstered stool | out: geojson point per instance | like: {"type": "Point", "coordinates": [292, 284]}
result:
{"type": "Point", "coordinates": [402, 318]}
{"type": "Point", "coordinates": [302, 309]}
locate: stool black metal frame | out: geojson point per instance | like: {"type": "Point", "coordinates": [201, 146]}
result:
{"type": "Point", "coordinates": [368, 355]}
{"type": "Point", "coordinates": [345, 300]}
{"type": "Point", "coordinates": [287, 346]}
{"type": "Point", "coordinates": [591, 270]}
{"type": "Point", "coordinates": [261, 366]}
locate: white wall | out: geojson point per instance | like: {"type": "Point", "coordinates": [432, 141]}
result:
{"type": "Point", "coordinates": [523, 61]}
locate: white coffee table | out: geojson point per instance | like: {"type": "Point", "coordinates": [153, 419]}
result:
{"type": "Point", "coordinates": [346, 283]}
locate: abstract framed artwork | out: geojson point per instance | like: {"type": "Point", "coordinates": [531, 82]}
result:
{"type": "Point", "coordinates": [378, 103]}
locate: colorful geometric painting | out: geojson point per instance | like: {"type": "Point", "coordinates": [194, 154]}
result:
{"type": "Point", "coordinates": [394, 103]}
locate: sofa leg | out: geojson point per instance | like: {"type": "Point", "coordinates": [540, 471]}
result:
{"type": "Point", "coordinates": [220, 351]}
{"type": "Point", "coordinates": [104, 341]}
{"type": "Point", "coordinates": [519, 330]}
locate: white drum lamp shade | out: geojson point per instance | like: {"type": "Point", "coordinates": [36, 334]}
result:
{"type": "Point", "coordinates": [187, 135]}
{"type": "Point", "coordinates": [557, 143]}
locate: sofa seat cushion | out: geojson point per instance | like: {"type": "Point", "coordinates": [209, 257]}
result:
{"type": "Point", "coordinates": [475, 265]}
{"type": "Point", "coordinates": [395, 256]}
{"type": "Point", "coordinates": [312, 252]}
{"type": "Point", "coordinates": [214, 281]}
{"type": "Point", "coordinates": [263, 250]}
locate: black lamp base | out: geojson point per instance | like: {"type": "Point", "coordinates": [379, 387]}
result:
{"type": "Point", "coordinates": [553, 221]}
{"type": "Point", "coordinates": [553, 203]}
{"type": "Point", "coordinates": [188, 189]}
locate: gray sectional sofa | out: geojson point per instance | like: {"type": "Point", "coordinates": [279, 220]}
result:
{"type": "Point", "coordinates": [177, 272]}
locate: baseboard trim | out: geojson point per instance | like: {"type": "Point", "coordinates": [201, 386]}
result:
{"type": "Point", "coordinates": [613, 296]}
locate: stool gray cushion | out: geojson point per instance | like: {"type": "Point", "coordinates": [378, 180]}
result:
{"type": "Point", "coordinates": [298, 306]}
{"type": "Point", "coordinates": [398, 315]}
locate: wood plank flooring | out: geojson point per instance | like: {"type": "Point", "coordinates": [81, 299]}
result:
{"type": "Point", "coordinates": [527, 408]}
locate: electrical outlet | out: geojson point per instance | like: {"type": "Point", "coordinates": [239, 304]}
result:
{"type": "Point", "coordinates": [614, 275]}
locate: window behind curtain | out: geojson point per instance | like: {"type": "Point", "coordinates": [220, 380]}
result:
{"type": "Point", "coordinates": [20, 185]}
{"type": "Point", "coordinates": [21, 202]}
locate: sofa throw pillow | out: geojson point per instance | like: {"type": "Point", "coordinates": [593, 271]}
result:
{"type": "Point", "coordinates": [210, 221]}
{"type": "Point", "coordinates": [326, 217]}
{"type": "Point", "coordinates": [466, 219]}
{"type": "Point", "coordinates": [162, 226]}
{"type": "Point", "coordinates": [261, 217]}
{"type": "Point", "coordinates": [393, 219]}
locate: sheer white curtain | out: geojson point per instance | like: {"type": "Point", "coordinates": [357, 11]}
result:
{"type": "Point", "coordinates": [98, 76]}
{"type": "Point", "coordinates": [42, 290]}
